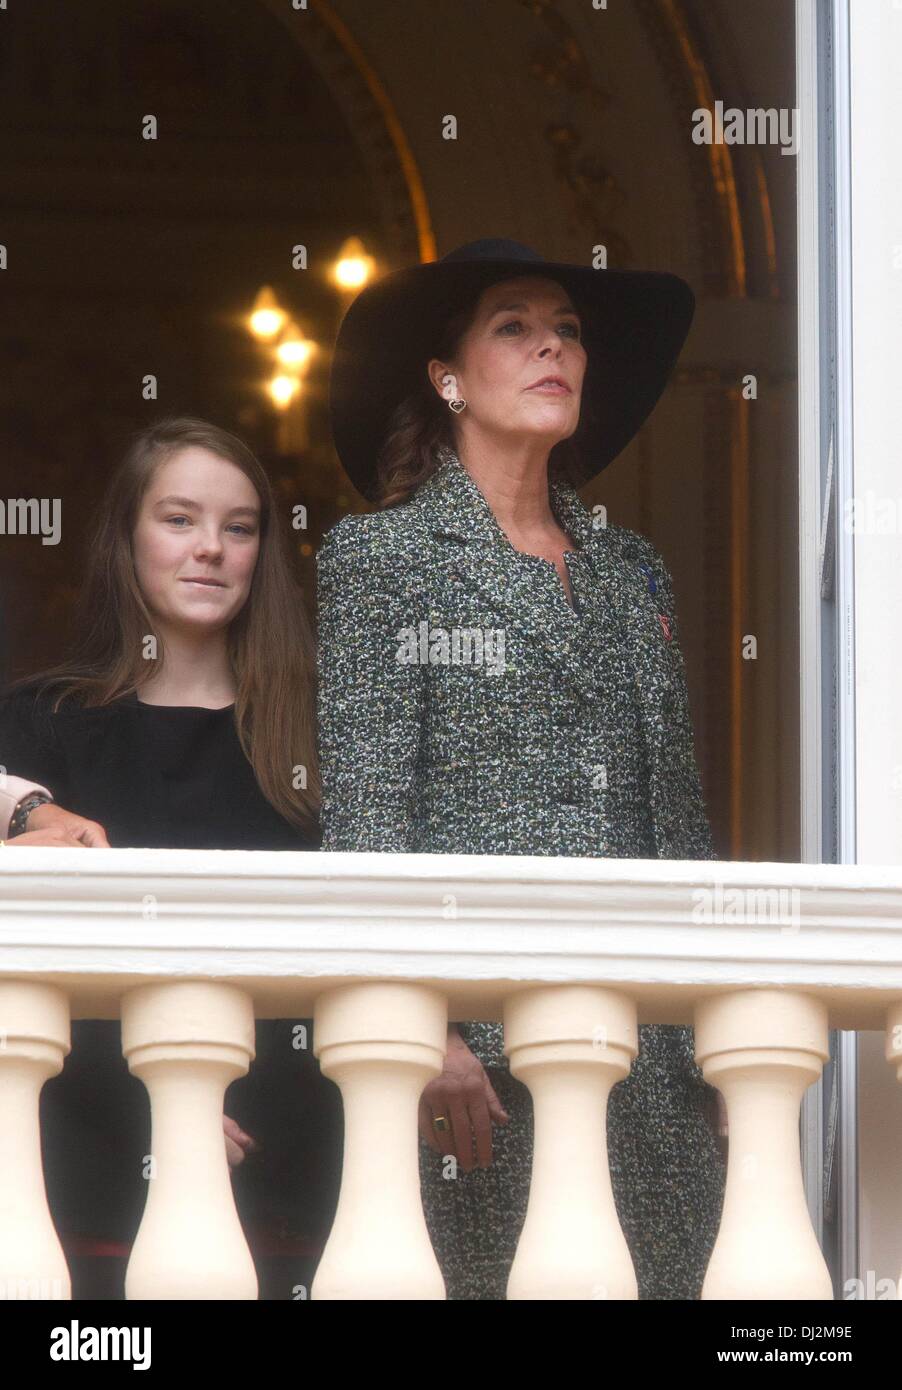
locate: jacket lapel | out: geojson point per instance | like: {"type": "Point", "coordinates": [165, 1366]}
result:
{"type": "Point", "coordinates": [473, 550]}
{"type": "Point", "coordinates": [678, 812]}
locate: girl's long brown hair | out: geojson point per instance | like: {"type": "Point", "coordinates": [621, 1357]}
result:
{"type": "Point", "coordinates": [269, 641]}
{"type": "Point", "coordinates": [422, 422]}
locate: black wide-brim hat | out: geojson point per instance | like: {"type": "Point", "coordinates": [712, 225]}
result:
{"type": "Point", "coordinates": [634, 323]}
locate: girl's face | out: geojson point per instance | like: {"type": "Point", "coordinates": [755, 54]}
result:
{"type": "Point", "coordinates": [196, 540]}
{"type": "Point", "coordinates": [523, 331]}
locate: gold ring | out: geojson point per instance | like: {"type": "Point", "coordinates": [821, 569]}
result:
{"type": "Point", "coordinates": [441, 1124]}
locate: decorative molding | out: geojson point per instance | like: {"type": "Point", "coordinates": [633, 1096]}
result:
{"type": "Point", "coordinates": [287, 925]}
{"type": "Point", "coordinates": [373, 121]}
{"type": "Point", "coordinates": [595, 194]}
{"type": "Point", "coordinates": [559, 64]}
{"type": "Point", "coordinates": [719, 217]}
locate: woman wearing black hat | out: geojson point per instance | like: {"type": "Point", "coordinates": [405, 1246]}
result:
{"type": "Point", "coordinates": [500, 674]}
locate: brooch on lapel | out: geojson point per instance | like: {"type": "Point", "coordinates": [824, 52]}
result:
{"type": "Point", "coordinates": [652, 582]}
{"type": "Point", "coordinates": [653, 589]}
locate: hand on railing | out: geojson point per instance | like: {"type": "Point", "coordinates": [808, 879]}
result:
{"type": "Point", "coordinates": [51, 825]}
{"type": "Point", "coordinates": [238, 1144]}
{"type": "Point", "coordinates": [465, 1097]}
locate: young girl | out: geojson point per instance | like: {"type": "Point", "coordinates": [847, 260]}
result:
{"type": "Point", "coordinates": [183, 719]}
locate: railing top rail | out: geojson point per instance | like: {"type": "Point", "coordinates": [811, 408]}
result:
{"type": "Point", "coordinates": [288, 925]}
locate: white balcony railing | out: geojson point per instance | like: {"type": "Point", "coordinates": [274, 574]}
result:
{"type": "Point", "coordinates": [381, 950]}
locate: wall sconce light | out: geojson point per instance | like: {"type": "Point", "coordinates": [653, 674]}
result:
{"type": "Point", "coordinates": [283, 390]}
{"type": "Point", "coordinates": [354, 266]}
{"type": "Point", "coordinates": [267, 317]}
{"type": "Point", "coordinates": [293, 349]}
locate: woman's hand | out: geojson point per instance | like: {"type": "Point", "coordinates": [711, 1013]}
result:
{"type": "Point", "coordinates": [238, 1144]}
{"type": "Point", "coordinates": [51, 825]}
{"type": "Point", "coordinates": [467, 1099]}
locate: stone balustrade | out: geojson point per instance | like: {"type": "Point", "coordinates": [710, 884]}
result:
{"type": "Point", "coordinates": [382, 950]}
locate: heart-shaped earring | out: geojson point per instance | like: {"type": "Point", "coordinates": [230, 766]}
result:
{"type": "Point", "coordinates": [457, 403]}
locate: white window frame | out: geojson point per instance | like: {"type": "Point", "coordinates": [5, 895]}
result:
{"type": "Point", "coordinates": [848, 53]}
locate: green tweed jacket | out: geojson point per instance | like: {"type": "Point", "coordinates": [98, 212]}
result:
{"type": "Point", "coordinates": [466, 707]}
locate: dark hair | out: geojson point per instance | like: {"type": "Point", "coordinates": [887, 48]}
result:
{"type": "Point", "coordinates": [422, 422]}
{"type": "Point", "coordinates": [269, 641]}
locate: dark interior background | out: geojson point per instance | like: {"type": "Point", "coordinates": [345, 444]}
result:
{"type": "Point", "coordinates": [278, 127]}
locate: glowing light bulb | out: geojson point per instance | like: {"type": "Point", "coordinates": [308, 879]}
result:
{"type": "Point", "coordinates": [354, 266]}
{"type": "Point", "coordinates": [283, 390]}
{"type": "Point", "coordinates": [266, 317]}
{"type": "Point", "coordinates": [294, 350]}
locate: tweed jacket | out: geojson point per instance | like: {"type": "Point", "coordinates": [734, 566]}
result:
{"type": "Point", "coordinates": [466, 707]}
{"type": "Point", "coordinates": [422, 752]}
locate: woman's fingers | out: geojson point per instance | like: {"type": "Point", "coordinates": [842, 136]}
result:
{"type": "Point", "coordinates": [234, 1152]}
{"type": "Point", "coordinates": [457, 1138]}
{"type": "Point", "coordinates": [53, 836]}
{"type": "Point", "coordinates": [481, 1121]}
{"type": "Point", "coordinates": [459, 1116]}
{"type": "Point", "coordinates": [75, 829]}
{"type": "Point", "coordinates": [238, 1143]}
{"type": "Point", "coordinates": [93, 835]}
{"type": "Point", "coordinates": [464, 1096]}
{"type": "Point", "coordinates": [78, 829]}
{"type": "Point", "coordinates": [496, 1109]}
{"type": "Point", "coordinates": [427, 1128]}
{"type": "Point", "coordinates": [431, 1104]}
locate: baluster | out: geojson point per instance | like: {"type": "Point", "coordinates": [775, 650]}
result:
{"type": "Point", "coordinates": [763, 1048]}
{"type": "Point", "coordinates": [570, 1044]}
{"type": "Point", "coordinates": [34, 1040]}
{"type": "Point", "coordinates": [381, 1043]}
{"type": "Point", "coordinates": [187, 1041]}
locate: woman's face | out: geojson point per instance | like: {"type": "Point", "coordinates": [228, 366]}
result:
{"type": "Point", "coordinates": [196, 540]}
{"type": "Point", "coordinates": [523, 331]}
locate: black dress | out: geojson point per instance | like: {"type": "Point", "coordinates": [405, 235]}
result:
{"type": "Point", "coordinates": [170, 777]}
